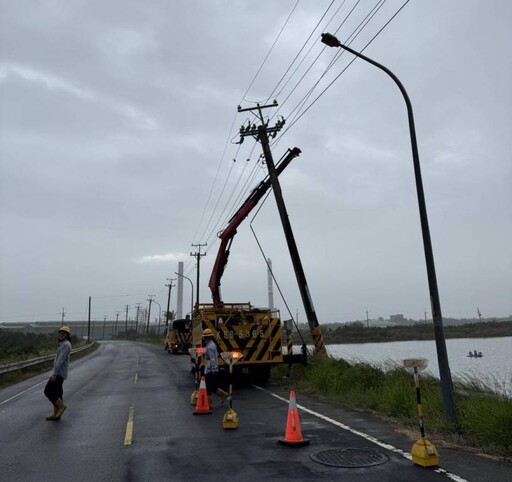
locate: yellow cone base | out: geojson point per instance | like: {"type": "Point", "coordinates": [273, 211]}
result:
{"type": "Point", "coordinates": [424, 454]}
{"type": "Point", "coordinates": [230, 420]}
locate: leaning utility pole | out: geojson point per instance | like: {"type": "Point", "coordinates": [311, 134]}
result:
{"type": "Point", "coordinates": [261, 134]}
{"type": "Point", "coordinates": [198, 258]}
{"type": "Point", "coordinates": [63, 315]}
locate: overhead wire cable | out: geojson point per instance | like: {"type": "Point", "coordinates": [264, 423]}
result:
{"type": "Point", "coordinates": [216, 177]}
{"type": "Point", "coordinates": [300, 51]}
{"type": "Point", "coordinates": [220, 196]}
{"type": "Point", "coordinates": [344, 70]}
{"type": "Point", "coordinates": [355, 33]}
{"type": "Point", "coordinates": [270, 51]}
{"type": "Point", "coordinates": [231, 130]}
{"type": "Point", "coordinates": [222, 212]}
{"type": "Point", "coordinates": [269, 268]}
{"type": "Point", "coordinates": [314, 61]}
{"type": "Point", "coordinates": [312, 46]}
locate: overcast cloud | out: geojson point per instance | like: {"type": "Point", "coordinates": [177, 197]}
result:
{"type": "Point", "coordinates": [117, 136]}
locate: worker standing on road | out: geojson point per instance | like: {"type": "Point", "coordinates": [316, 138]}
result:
{"type": "Point", "coordinates": [211, 368]}
{"type": "Point", "coordinates": [53, 389]}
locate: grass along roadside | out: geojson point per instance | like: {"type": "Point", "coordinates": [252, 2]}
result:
{"type": "Point", "coordinates": [24, 373]}
{"type": "Point", "coordinates": [484, 417]}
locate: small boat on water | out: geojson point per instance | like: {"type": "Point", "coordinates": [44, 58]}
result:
{"type": "Point", "coordinates": [475, 354]}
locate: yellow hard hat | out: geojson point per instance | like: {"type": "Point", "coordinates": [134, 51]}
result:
{"type": "Point", "coordinates": [207, 332]}
{"type": "Point", "coordinates": [65, 329]}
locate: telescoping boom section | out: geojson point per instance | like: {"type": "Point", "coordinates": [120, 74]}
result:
{"type": "Point", "coordinates": [226, 236]}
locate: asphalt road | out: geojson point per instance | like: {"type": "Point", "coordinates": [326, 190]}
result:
{"type": "Point", "coordinates": [125, 382]}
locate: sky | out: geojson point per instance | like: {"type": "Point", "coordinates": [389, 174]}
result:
{"type": "Point", "coordinates": [118, 152]}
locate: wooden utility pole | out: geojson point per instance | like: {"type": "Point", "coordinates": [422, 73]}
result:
{"type": "Point", "coordinates": [198, 256]}
{"type": "Point", "coordinates": [89, 323]}
{"type": "Point", "coordinates": [170, 285]}
{"type": "Point", "coordinates": [262, 133]}
{"type": "Point", "coordinates": [137, 320]}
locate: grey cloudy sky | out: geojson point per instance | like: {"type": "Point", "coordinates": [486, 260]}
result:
{"type": "Point", "coordinates": [117, 143]}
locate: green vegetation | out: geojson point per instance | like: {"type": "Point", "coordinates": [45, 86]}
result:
{"type": "Point", "coordinates": [16, 347]}
{"type": "Point", "coordinates": [357, 332]}
{"type": "Point", "coordinates": [23, 346]}
{"type": "Point", "coordinates": [484, 416]}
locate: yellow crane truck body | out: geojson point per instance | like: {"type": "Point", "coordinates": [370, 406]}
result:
{"type": "Point", "coordinates": [179, 337]}
{"type": "Point", "coordinates": [254, 332]}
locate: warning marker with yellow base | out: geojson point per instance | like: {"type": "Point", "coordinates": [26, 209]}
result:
{"type": "Point", "coordinates": [202, 406]}
{"type": "Point", "coordinates": [423, 452]}
{"type": "Point", "coordinates": [293, 435]}
{"type": "Point", "coordinates": [231, 420]}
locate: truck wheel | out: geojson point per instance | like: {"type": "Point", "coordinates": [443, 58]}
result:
{"type": "Point", "coordinates": [259, 375]}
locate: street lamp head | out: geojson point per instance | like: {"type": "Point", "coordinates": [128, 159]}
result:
{"type": "Point", "coordinates": [330, 40]}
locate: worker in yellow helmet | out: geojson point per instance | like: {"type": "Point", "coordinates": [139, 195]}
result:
{"type": "Point", "coordinates": [211, 368]}
{"type": "Point", "coordinates": [53, 389]}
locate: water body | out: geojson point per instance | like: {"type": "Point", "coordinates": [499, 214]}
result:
{"type": "Point", "coordinates": [494, 368]}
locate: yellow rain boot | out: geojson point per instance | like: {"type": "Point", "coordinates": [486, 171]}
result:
{"type": "Point", "coordinates": [222, 394]}
{"type": "Point", "coordinates": [54, 416]}
{"type": "Point", "coordinates": [60, 408]}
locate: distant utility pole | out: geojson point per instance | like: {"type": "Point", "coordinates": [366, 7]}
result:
{"type": "Point", "coordinates": [262, 133]}
{"type": "Point", "coordinates": [117, 318]}
{"type": "Point", "coordinates": [137, 319]}
{"type": "Point", "coordinates": [367, 320]}
{"type": "Point", "coordinates": [170, 285]}
{"type": "Point", "coordinates": [104, 322]}
{"type": "Point", "coordinates": [150, 299]}
{"type": "Point", "coordinates": [198, 256]}
{"type": "Point", "coordinates": [89, 323]}
{"type": "Point", "coordinates": [477, 310]}
{"type": "Point", "coordinates": [425, 316]}
{"type": "Point", "coordinates": [126, 322]}
{"type": "Point", "coordinates": [63, 315]}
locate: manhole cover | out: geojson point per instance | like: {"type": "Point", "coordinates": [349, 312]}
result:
{"type": "Point", "coordinates": [350, 457]}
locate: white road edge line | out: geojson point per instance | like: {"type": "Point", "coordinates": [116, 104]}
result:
{"type": "Point", "coordinates": [24, 391]}
{"type": "Point", "coordinates": [370, 438]}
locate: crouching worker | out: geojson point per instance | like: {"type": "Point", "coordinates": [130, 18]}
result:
{"type": "Point", "coordinates": [211, 368]}
{"type": "Point", "coordinates": [53, 389]}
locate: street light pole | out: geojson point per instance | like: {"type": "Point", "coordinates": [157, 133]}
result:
{"type": "Point", "coordinates": [192, 293]}
{"type": "Point", "coordinates": [442, 355]}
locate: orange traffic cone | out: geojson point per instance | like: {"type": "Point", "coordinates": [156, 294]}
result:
{"type": "Point", "coordinates": [293, 436]}
{"type": "Point", "coordinates": [202, 406]}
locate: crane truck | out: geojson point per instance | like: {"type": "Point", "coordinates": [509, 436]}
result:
{"type": "Point", "coordinates": [257, 333]}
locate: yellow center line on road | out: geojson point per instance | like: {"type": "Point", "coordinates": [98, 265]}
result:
{"type": "Point", "coordinates": [129, 427]}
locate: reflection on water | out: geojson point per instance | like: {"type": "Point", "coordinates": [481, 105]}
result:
{"type": "Point", "coordinates": [494, 368]}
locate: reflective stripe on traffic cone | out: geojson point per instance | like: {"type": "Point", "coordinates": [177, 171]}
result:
{"type": "Point", "coordinates": [202, 406]}
{"type": "Point", "coordinates": [293, 436]}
